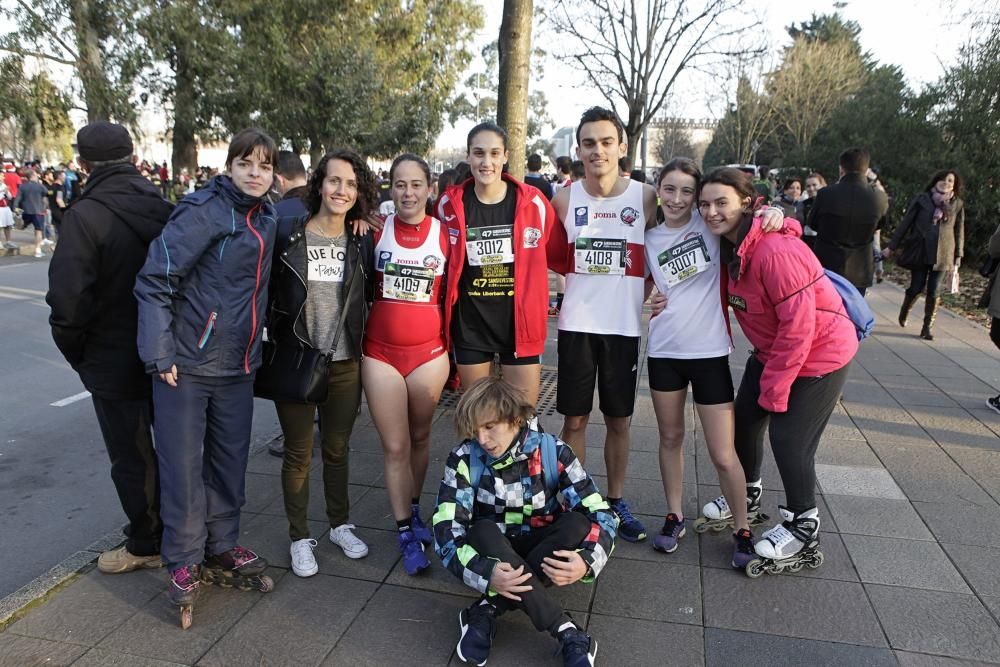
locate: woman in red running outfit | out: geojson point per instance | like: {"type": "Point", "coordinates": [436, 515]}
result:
{"type": "Point", "coordinates": [405, 364]}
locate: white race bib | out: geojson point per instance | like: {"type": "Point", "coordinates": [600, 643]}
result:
{"type": "Point", "coordinates": [684, 260]}
{"type": "Point", "coordinates": [407, 283]}
{"type": "Point", "coordinates": [326, 263]}
{"type": "Point", "coordinates": [601, 256]}
{"type": "Point", "coordinates": [487, 246]}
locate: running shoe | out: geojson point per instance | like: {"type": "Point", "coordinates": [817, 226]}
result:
{"type": "Point", "coordinates": [670, 534]}
{"type": "Point", "coordinates": [994, 404]}
{"type": "Point", "coordinates": [414, 559]}
{"type": "Point", "coordinates": [479, 626]}
{"type": "Point", "coordinates": [578, 648]}
{"type": "Point", "coordinates": [420, 529]}
{"type": "Point", "coordinates": [629, 528]}
{"type": "Point", "coordinates": [743, 551]}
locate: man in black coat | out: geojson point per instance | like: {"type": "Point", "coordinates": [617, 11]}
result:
{"type": "Point", "coordinates": [844, 217]}
{"type": "Point", "coordinates": [105, 234]}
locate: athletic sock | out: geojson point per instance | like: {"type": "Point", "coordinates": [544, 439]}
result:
{"type": "Point", "coordinates": [404, 525]}
{"type": "Point", "coordinates": [415, 502]}
{"type": "Point", "coordinates": [612, 501]}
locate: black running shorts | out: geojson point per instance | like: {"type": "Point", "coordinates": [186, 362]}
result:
{"type": "Point", "coordinates": [464, 357]}
{"type": "Point", "coordinates": [613, 361]}
{"type": "Point", "coordinates": [710, 379]}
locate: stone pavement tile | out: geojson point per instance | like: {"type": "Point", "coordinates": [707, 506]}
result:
{"type": "Point", "coordinates": [978, 565]}
{"type": "Point", "coordinates": [19, 651]}
{"type": "Point", "coordinates": [969, 393]}
{"type": "Point", "coordinates": [93, 606]}
{"type": "Point", "coordinates": [768, 470]}
{"type": "Point", "coordinates": [717, 552]}
{"type": "Point", "coordinates": [790, 607]}
{"type": "Point", "coordinates": [857, 481]}
{"type": "Point", "coordinates": [373, 510]}
{"type": "Point", "coordinates": [982, 465]}
{"type": "Point", "coordinates": [950, 371]}
{"type": "Point", "coordinates": [645, 496]}
{"type": "Point", "coordinates": [867, 391]}
{"type": "Point", "coordinates": [629, 641]}
{"type": "Point", "coordinates": [517, 642]}
{"type": "Point", "coordinates": [366, 469]}
{"type": "Point", "coordinates": [263, 463]}
{"type": "Point", "coordinates": [962, 523]}
{"type": "Point", "coordinates": [928, 473]}
{"type": "Point", "coordinates": [910, 563]}
{"type": "Point", "coordinates": [316, 511]}
{"type": "Point", "coordinates": [954, 426]}
{"type": "Point", "coordinates": [727, 647]}
{"type": "Point", "coordinates": [96, 657]}
{"type": "Point", "coordinates": [427, 622]}
{"type": "Point", "coordinates": [842, 427]}
{"type": "Point", "coordinates": [907, 659]}
{"type": "Point", "coordinates": [284, 628]}
{"type": "Point", "coordinates": [686, 554]}
{"type": "Point", "coordinates": [985, 415]}
{"type": "Point", "coordinates": [947, 624]}
{"type": "Point", "coordinates": [261, 491]}
{"type": "Point", "coordinates": [154, 631]}
{"type": "Point", "coordinates": [651, 591]}
{"type": "Point", "coordinates": [877, 516]}
{"type": "Point", "coordinates": [992, 603]}
{"type": "Point", "coordinates": [885, 424]}
{"type": "Point", "coordinates": [436, 579]}
{"type": "Point", "coordinates": [846, 453]}
{"type": "Point", "coordinates": [641, 464]}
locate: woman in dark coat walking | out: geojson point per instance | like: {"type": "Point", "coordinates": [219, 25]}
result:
{"type": "Point", "coordinates": [930, 240]}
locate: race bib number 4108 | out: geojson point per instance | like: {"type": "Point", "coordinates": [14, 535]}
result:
{"type": "Point", "coordinates": [600, 256]}
{"type": "Point", "coordinates": [486, 246]}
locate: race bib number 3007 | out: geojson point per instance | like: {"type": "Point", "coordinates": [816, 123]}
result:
{"type": "Point", "coordinates": [407, 283]}
{"type": "Point", "coordinates": [487, 246]}
{"type": "Point", "coordinates": [601, 256]}
{"type": "Point", "coordinates": [684, 260]}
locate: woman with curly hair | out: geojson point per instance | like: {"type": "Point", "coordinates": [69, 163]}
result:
{"type": "Point", "coordinates": [930, 240]}
{"type": "Point", "coordinates": [321, 291]}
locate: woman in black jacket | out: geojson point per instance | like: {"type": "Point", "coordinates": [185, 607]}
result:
{"type": "Point", "coordinates": [930, 240]}
{"type": "Point", "coordinates": [321, 294]}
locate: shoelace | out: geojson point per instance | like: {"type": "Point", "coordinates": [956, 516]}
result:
{"type": "Point", "coordinates": [744, 543]}
{"type": "Point", "coordinates": [242, 556]}
{"type": "Point", "coordinates": [184, 578]}
{"type": "Point", "coordinates": [672, 524]}
{"type": "Point", "coordinates": [304, 546]}
{"type": "Point", "coordinates": [624, 512]}
{"type": "Point", "coordinates": [723, 506]}
{"type": "Point", "coordinates": [779, 536]}
{"type": "Point", "coordinates": [575, 643]}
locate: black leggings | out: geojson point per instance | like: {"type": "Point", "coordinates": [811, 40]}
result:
{"type": "Point", "coordinates": [565, 533]}
{"type": "Point", "coordinates": [924, 276]}
{"type": "Point", "coordinates": [795, 433]}
{"type": "Point", "coordinates": [995, 331]}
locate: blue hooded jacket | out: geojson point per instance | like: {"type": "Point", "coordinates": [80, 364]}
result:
{"type": "Point", "coordinates": [203, 291]}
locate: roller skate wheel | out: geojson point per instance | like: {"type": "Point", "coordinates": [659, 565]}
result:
{"type": "Point", "coordinates": [187, 617]}
{"type": "Point", "coordinates": [755, 568]}
{"type": "Point", "coordinates": [266, 584]}
{"type": "Point", "coordinates": [795, 567]}
{"type": "Point", "coordinates": [816, 561]}
{"type": "Point", "coordinates": [701, 525]}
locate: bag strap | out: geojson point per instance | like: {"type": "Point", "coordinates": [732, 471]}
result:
{"type": "Point", "coordinates": [550, 463]}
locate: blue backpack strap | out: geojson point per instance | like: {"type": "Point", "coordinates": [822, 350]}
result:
{"type": "Point", "coordinates": [475, 465]}
{"type": "Point", "coordinates": [550, 462]}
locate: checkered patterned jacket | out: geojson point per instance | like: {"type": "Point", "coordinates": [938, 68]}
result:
{"type": "Point", "coordinates": [512, 493]}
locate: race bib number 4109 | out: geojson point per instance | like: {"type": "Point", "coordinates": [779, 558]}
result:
{"type": "Point", "coordinates": [486, 246]}
{"type": "Point", "coordinates": [600, 256]}
{"type": "Point", "coordinates": [407, 283]}
{"type": "Point", "coordinates": [684, 260]}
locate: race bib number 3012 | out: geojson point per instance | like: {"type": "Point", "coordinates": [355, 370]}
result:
{"type": "Point", "coordinates": [684, 260]}
{"type": "Point", "coordinates": [486, 246]}
{"type": "Point", "coordinates": [407, 283]}
{"type": "Point", "coordinates": [600, 256]}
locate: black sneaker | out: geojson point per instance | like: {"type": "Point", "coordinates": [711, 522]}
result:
{"type": "Point", "coordinates": [994, 404]}
{"type": "Point", "coordinates": [578, 648]}
{"type": "Point", "coordinates": [478, 624]}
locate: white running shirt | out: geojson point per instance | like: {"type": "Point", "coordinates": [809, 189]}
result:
{"type": "Point", "coordinates": [684, 264]}
{"type": "Point", "coordinates": [604, 286]}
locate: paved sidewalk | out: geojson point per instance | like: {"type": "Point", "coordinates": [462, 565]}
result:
{"type": "Point", "coordinates": [909, 471]}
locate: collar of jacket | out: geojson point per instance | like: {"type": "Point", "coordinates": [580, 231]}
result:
{"type": "Point", "coordinates": [300, 192]}
{"type": "Point", "coordinates": [853, 177]}
{"type": "Point", "coordinates": [729, 251]}
{"type": "Point", "coordinates": [518, 451]}
{"type": "Point", "coordinates": [239, 200]}
{"type": "Point", "coordinates": [100, 175]}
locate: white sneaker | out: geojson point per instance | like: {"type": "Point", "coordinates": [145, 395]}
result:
{"type": "Point", "coordinates": [48, 242]}
{"type": "Point", "coordinates": [303, 561]}
{"type": "Point", "coordinates": [38, 253]}
{"type": "Point", "coordinates": [344, 537]}
{"type": "Point", "coordinates": [10, 246]}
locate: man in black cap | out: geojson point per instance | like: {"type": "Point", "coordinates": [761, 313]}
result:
{"type": "Point", "coordinates": [105, 234]}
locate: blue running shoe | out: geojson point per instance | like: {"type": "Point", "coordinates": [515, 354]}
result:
{"type": "Point", "coordinates": [420, 529]}
{"type": "Point", "coordinates": [629, 528]}
{"type": "Point", "coordinates": [414, 559]}
{"type": "Point", "coordinates": [578, 648]}
{"type": "Point", "coordinates": [670, 535]}
{"type": "Point", "coordinates": [743, 551]}
{"type": "Point", "coordinates": [479, 626]}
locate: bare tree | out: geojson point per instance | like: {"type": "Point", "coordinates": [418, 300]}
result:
{"type": "Point", "coordinates": [813, 80]}
{"type": "Point", "coordinates": [747, 118]}
{"type": "Point", "coordinates": [633, 51]}
{"type": "Point", "coordinates": [514, 49]}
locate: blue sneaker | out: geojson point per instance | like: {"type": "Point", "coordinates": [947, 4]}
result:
{"type": "Point", "coordinates": [479, 626]}
{"type": "Point", "coordinates": [629, 528]}
{"type": "Point", "coordinates": [670, 535]}
{"type": "Point", "coordinates": [420, 529]}
{"type": "Point", "coordinates": [414, 559]}
{"type": "Point", "coordinates": [743, 551]}
{"type": "Point", "coordinates": [578, 648]}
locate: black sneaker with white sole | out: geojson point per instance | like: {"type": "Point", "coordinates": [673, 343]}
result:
{"type": "Point", "coordinates": [478, 624]}
{"type": "Point", "coordinates": [578, 648]}
{"type": "Point", "coordinates": [994, 404]}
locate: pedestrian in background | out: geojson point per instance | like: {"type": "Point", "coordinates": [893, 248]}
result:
{"type": "Point", "coordinates": [32, 201]}
{"type": "Point", "coordinates": [103, 242]}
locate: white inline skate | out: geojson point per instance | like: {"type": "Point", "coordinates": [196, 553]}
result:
{"type": "Point", "coordinates": [790, 545]}
{"type": "Point", "coordinates": [717, 516]}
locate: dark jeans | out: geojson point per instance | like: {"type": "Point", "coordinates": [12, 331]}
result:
{"type": "Point", "coordinates": [794, 434]}
{"type": "Point", "coordinates": [125, 425]}
{"type": "Point", "coordinates": [995, 331]}
{"type": "Point", "coordinates": [924, 277]}
{"type": "Point", "coordinates": [202, 442]}
{"type": "Point", "coordinates": [336, 422]}
{"type": "Point", "coordinates": [565, 533]}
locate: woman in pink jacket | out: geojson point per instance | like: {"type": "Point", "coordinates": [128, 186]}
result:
{"type": "Point", "coordinates": [803, 346]}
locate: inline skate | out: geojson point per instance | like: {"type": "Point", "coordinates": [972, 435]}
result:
{"type": "Point", "coordinates": [185, 584]}
{"type": "Point", "coordinates": [237, 568]}
{"type": "Point", "coordinates": [717, 516]}
{"type": "Point", "coordinates": [790, 545]}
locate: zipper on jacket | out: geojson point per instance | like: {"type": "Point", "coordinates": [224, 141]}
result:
{"type": "Point", "coordinates": [256, 289]}
{"type": "Point", "coordinates": [209, 326]}
{"type": "Point", "coordinates": [305, 286]}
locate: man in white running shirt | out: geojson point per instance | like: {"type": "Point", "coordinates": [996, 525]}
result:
{"type": "Point", "coordinates": [599, 248]}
